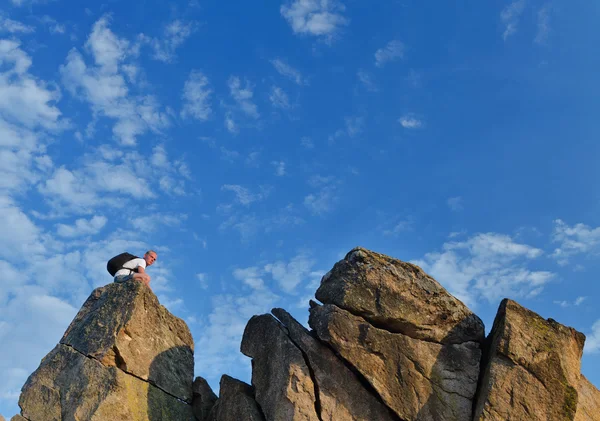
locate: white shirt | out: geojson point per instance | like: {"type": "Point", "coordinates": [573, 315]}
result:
{"type": "Point", "coordinates": [132, 264]}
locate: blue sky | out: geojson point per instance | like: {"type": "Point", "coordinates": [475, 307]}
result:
{"type": "Point", "coordinates": [253, 146]}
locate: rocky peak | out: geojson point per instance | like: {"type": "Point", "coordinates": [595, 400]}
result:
{"type": "Point", "coordinates": [387, 343]}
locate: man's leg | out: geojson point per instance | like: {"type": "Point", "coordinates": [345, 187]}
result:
{"type": "Point", "coordinates": [122, 278]}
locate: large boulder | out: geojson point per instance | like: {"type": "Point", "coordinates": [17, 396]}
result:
{"type": "Point", "coordinates": [418, 380]}
{"type": "Point", "coordinates": [282, 380]}
{"type": "Point", "coordinates": [399, 297]}
{"type": "Point", "coordinates": [342, 396]}
{"type": "Point", "coordinates": [236, 402]}
{"type": "Point", "coordinates": [123, 325]}
{"type": "Point", "coordinates": [204, 399]}
{"type": "Point", "coordinates": [124, 357]}
{"type": "Point", "coordinates": [588, 406]}
{"type": "Point", "coordinates": [70, 386]}
{"type": "Point", "coordinates": [532, 368]}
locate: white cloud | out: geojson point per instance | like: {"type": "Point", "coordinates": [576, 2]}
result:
{"type": "Point", "coordinates": [393, 51]}
{"type": "Point", "coordinates": [279, 98]}
{"type": "Point", "coordinates": [196, 97]}
{"type": "Point", "coordinates": [325, 198]}
{"type": "Point", "coordinates": [175, 34]}
{"type": "Point", "coordinates": [288, 71]}
{"type": "Point", "coordinates": [20, 238]}
{"type": "Point", "coordinates": [82, 227]}
{"type": "Point", "coordinates": [291, 274]}
{"type": "Point", "coordinates": [245, 196]}
{"type": "Point", "coordinates": [411, 121]}
{"type": "Point", "coordinates": [455, 203]}
{"type": "Point", "coordinates": [149, 223]}
{"type": "Point", "coordinates": [592, 341]}
{"type": "Point", "coordinates": [106, 89]}
{"type": "Point", "coordinates": [307, 142]}
{"type": "Point", "coordinates": [510, 17]}
{"type": "Point", "coordinates": [219, 337]}
{"type": "Point", "coordinates": [367, 80]}
{"type": "Point", "coordinates": [202, 279]}
{"type": "Point", "coordinates": [579, 300]}
{"type": "Point", "coordinates": [315, 17]}
{"type": "Point", "coordinates": [543, 25]}
{"type": "Point", "coordinates": [243, 96]}
{"type": "Point", "coordinates": [230, 124]}
{"type": "Point", "coordinates": [251, 276]}
{"type": "Point", "coordinates": [279, 168]}
{"type": "Point", "coordinates": [400, 227]}
{"type": "Point", "coordinates": [574, 240]}
{"type": "Point", "coordinates": [490, 266]}
{"type": "Point", "coordinates": [14, 27]}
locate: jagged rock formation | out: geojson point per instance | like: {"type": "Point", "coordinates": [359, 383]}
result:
{"type": "Point", "coordinates": [388, 343]}
{"type": "Point", "coordinates": [532, 368]}
{"type": "Point", "coordinates": [124, 357]}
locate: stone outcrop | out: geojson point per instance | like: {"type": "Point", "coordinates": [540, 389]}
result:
{"type": "Point", "coordinates": [204, 399]}
{"type": "Point", "coordinates": [588, 405]}
{"type": "Point", "coordinates": [124, 326]}
{"type": "Point", "coordinates": [124, 357]}
{"type": "Point", "coordinates": [236, 402]}
{"type": "Point", "coordinates": [532, 370]}
{"type": "Point", "coordinates": [398, 297]}
{"type": "Point", "coordinates": [387, 343]}
{"type": "Point", "coordinates": [284, 386]}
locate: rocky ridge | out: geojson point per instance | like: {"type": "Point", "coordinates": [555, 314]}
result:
{"type": "Point", "coordinates": [387, 342]}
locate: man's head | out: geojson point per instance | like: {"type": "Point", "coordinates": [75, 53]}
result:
{"type": "Point", "coordinates": [150, 257]}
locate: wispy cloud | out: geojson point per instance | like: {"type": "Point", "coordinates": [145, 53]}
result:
{"type": "Point", "coordinates": [279, 168]}
{"type": "Point", "coordinates": [411, 121]}
{"type": "Point", "coordinates": [592, 341]}
{"type": "Point", "coordinates": [196, 96]}
{"type": "Point", "coordinates": [14, 27]}
{"type": "Point", "coordinates": [243, 195]}
{"type": "Point", "coordinates": [394, 50]}
{"type": "Point", "coordinates": [367, 80]}
{"type": "Point", "coordinates": [243, 96]}
{"type": "Point", "coordinates": [510, 16]}
{"type": "Point", "coordinates": [489, 266]}
{"type": "Point", "coordinates": [104, 86]}
{"type": "Point", "coordinates": [325, 198]}
{"type": "Point", "coordinates": [279, 98]}
{"type": "Point", "coordinates": [288, 71]}
{"type": "Point", "coordinates": [174, 35]}
{"type": "Point", "coordinates": [543, 25]}
{"type": "Point", "coordinates": [321, 18]}
{"type": "Point", "coordinates": [82, 227]}
{"type": "Point", "coordinates": [455, 203]}
{"type": "Point", "coordinates": [574, 240]}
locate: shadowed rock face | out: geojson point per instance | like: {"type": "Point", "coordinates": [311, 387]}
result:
{"type": "Point", "coordinates": [236, 402]}
{"type": "Point", "coordinates": [204, 399]}
{"type": "Point", "coordinates": [398, 297]}
{"type": "Point", "coordinates": [532, 369]}
{"type": "Point", "coordinates": [124, 357]}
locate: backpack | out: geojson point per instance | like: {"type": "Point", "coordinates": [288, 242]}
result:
{"type": "Point", "coordinates": [117, 262]}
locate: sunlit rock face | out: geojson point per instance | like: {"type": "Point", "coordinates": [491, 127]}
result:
{"type": "Point", "coordinates": [386, 343]}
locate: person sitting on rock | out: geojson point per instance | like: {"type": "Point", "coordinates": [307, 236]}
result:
{"type": "Point", "coordinates": [136, 269]}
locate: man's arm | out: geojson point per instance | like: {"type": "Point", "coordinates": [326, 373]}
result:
{"type": "Point", "coordinates": [140, 269]}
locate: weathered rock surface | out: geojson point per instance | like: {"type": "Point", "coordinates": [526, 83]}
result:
{"type": "Point", "coordinates": [398, 297]}
{"type": "Point", "coordinates": [124, 325]}
{"type": "Point", "coordinates": [418, 380]}
{"type": "Point", "coordinates": [71, 386]}
{"type": "Point", "coordinates": [204, 399]}
{"type": "Point", "coordinates": [18, 418]}
{"type": "Point", "coordinates": [341, 395]}
{"type": "Point", "coordinates": [281, 378]}
{"type": "Point", "coordinates": [588, 407]}
{"type": "Point", "coordinates": [532, 371]}
{"type": "Point", "coordinates": [236, 402]}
